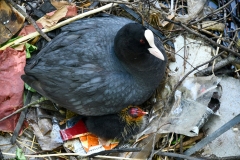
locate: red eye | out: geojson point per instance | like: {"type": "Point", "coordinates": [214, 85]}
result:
{"type": "Point", "coordinates": [142, 41]}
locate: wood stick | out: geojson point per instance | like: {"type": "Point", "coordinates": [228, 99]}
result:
{"type": "Point", "coordinates": [34, 34]}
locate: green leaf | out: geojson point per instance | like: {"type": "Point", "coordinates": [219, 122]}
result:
{"type": "Point", "coordinates": [175, 141]}
{"type": "Point", "coordinates": [29, 88]}
{"type": "Point", "coordinates": [20, 155]}
{"type": "Point", "coordinates": [29, 49]}
{"type": "Point", "coordinates": [9, 41]}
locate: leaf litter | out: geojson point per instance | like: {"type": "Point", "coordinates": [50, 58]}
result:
{"type": "Point", "coordinates": [205, 34]}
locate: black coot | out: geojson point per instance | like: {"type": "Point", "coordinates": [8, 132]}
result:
{"type": "Point", "coordinates": [120, 127]}
{"type": "Point", "coordinates": [98, 66]}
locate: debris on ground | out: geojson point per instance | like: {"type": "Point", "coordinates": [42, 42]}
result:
{"type": "Point", "coordinates": [12, 87]}
{"type": "Point", "coordinates": [11, 21]}
{"type": "Point", "coordinates": [188, 113]}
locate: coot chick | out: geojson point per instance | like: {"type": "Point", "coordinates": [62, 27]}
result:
{"type": "Point", "coordinates": [122, 126]}
{"type": "Point", "coordinates": [98, 66]}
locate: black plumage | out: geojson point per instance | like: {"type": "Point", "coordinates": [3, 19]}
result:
{"type": "Point", "coordinates": [119, 127]}
{"type": "Point", "coordinates": [91, 71]}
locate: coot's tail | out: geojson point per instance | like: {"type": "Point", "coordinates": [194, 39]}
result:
{"type": "Point", "coordinates": [32, 82]}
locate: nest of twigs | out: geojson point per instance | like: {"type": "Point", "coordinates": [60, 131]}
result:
{"type": "Point", "coordinates": [169, 20]}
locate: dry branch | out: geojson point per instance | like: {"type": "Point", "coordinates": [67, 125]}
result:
{"type": "Point", "coordinates": [34, 34]}
{"type": "Point", "coordinates": [29, 19]}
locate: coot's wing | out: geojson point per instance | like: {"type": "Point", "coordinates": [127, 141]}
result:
{"type": "Point", "coordinates": [81, 60]}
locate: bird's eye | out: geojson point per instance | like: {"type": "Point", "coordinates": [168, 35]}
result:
{"type": "Point", "coordinates": [142, 41]}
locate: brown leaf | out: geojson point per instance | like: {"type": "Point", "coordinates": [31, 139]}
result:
{"type": "Point", "coordinates": [29, 29]}
{"type": "Point", "coordinates": [52, 18]}
{"type": "Point", "coordinates": [60, 4]}
{"type": "Point", "coordinates": [12, 86]}
{"type": "Point", "coordinates": [11, 21]}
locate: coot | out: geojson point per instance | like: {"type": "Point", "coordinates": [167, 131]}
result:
{"type": "Point", "coordinates": [121, 127]}
{"type": "Point", "coordinates": [98, 66]}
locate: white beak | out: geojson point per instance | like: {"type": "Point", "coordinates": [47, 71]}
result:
{"type": "Point", "coordinates": [153, 50]}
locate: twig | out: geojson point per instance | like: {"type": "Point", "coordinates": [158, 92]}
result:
{"type": "Point", "coordinates": [21, 118]}
{"type": "Point", "coordinates": [117, 1]}
{"type": "Point", "coordinates": [20, 109]}
{"type": "Point", "coordinates": [215, 11]}
{"type": "Point", "coordinates": [205, 31]}
{"type": "Point", "coordinates": [180, 82]}
{"type": "Point", "coordinates": [204, 37]}
{"type": "Point", "coordinates": [176, 155]}
{"type": "Point", "coordinates": [34, 34]}
{"type": "Point", "coordinates": [138, 17]}
{"type": "Point", "coordinates": [29, 19]}
{"type": "Point", "coordinates": [180, 144]}
{"type": "Point", "coordinates": [155, 135]}
{"type": "Point", "coordinates": [26, 146]}
{"type": "Point", "coordinates": [222, 63]}
{"type": "Point", "coordinates": [120, 158]}
{"type": "Point", "coordinates": [222, 158]}
{"type": "Point", "coordinates": [214, 61]}
{"type": "Point", "coordinates": [171, 7]}
{"type": "Point", "coordinates": [116, 151]}
{"type": "Point", "coordinates": [213, 135]}
{"type": "Point", "coordinates": [187, 143]}
{"type": "Point", "coordinates": [70, 154]}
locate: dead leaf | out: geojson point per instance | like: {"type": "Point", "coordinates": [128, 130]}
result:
{"type": "Point", "coordinates": [164, 23]}
{"type": "Point", "coordinates": [12, 86]}
{"type": "Point", "coordinates": [86, 4]}
{"type": "Point", "coordinates": [212, 25]}
{"type": "Point", "coordinates": [29, 29]}
{"type": "Point", "coordinates": [11, 21]}
{"type": "Point", "coordinates": [60, 4]}
{"type": "Point", "coordinates": [52, 18]}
